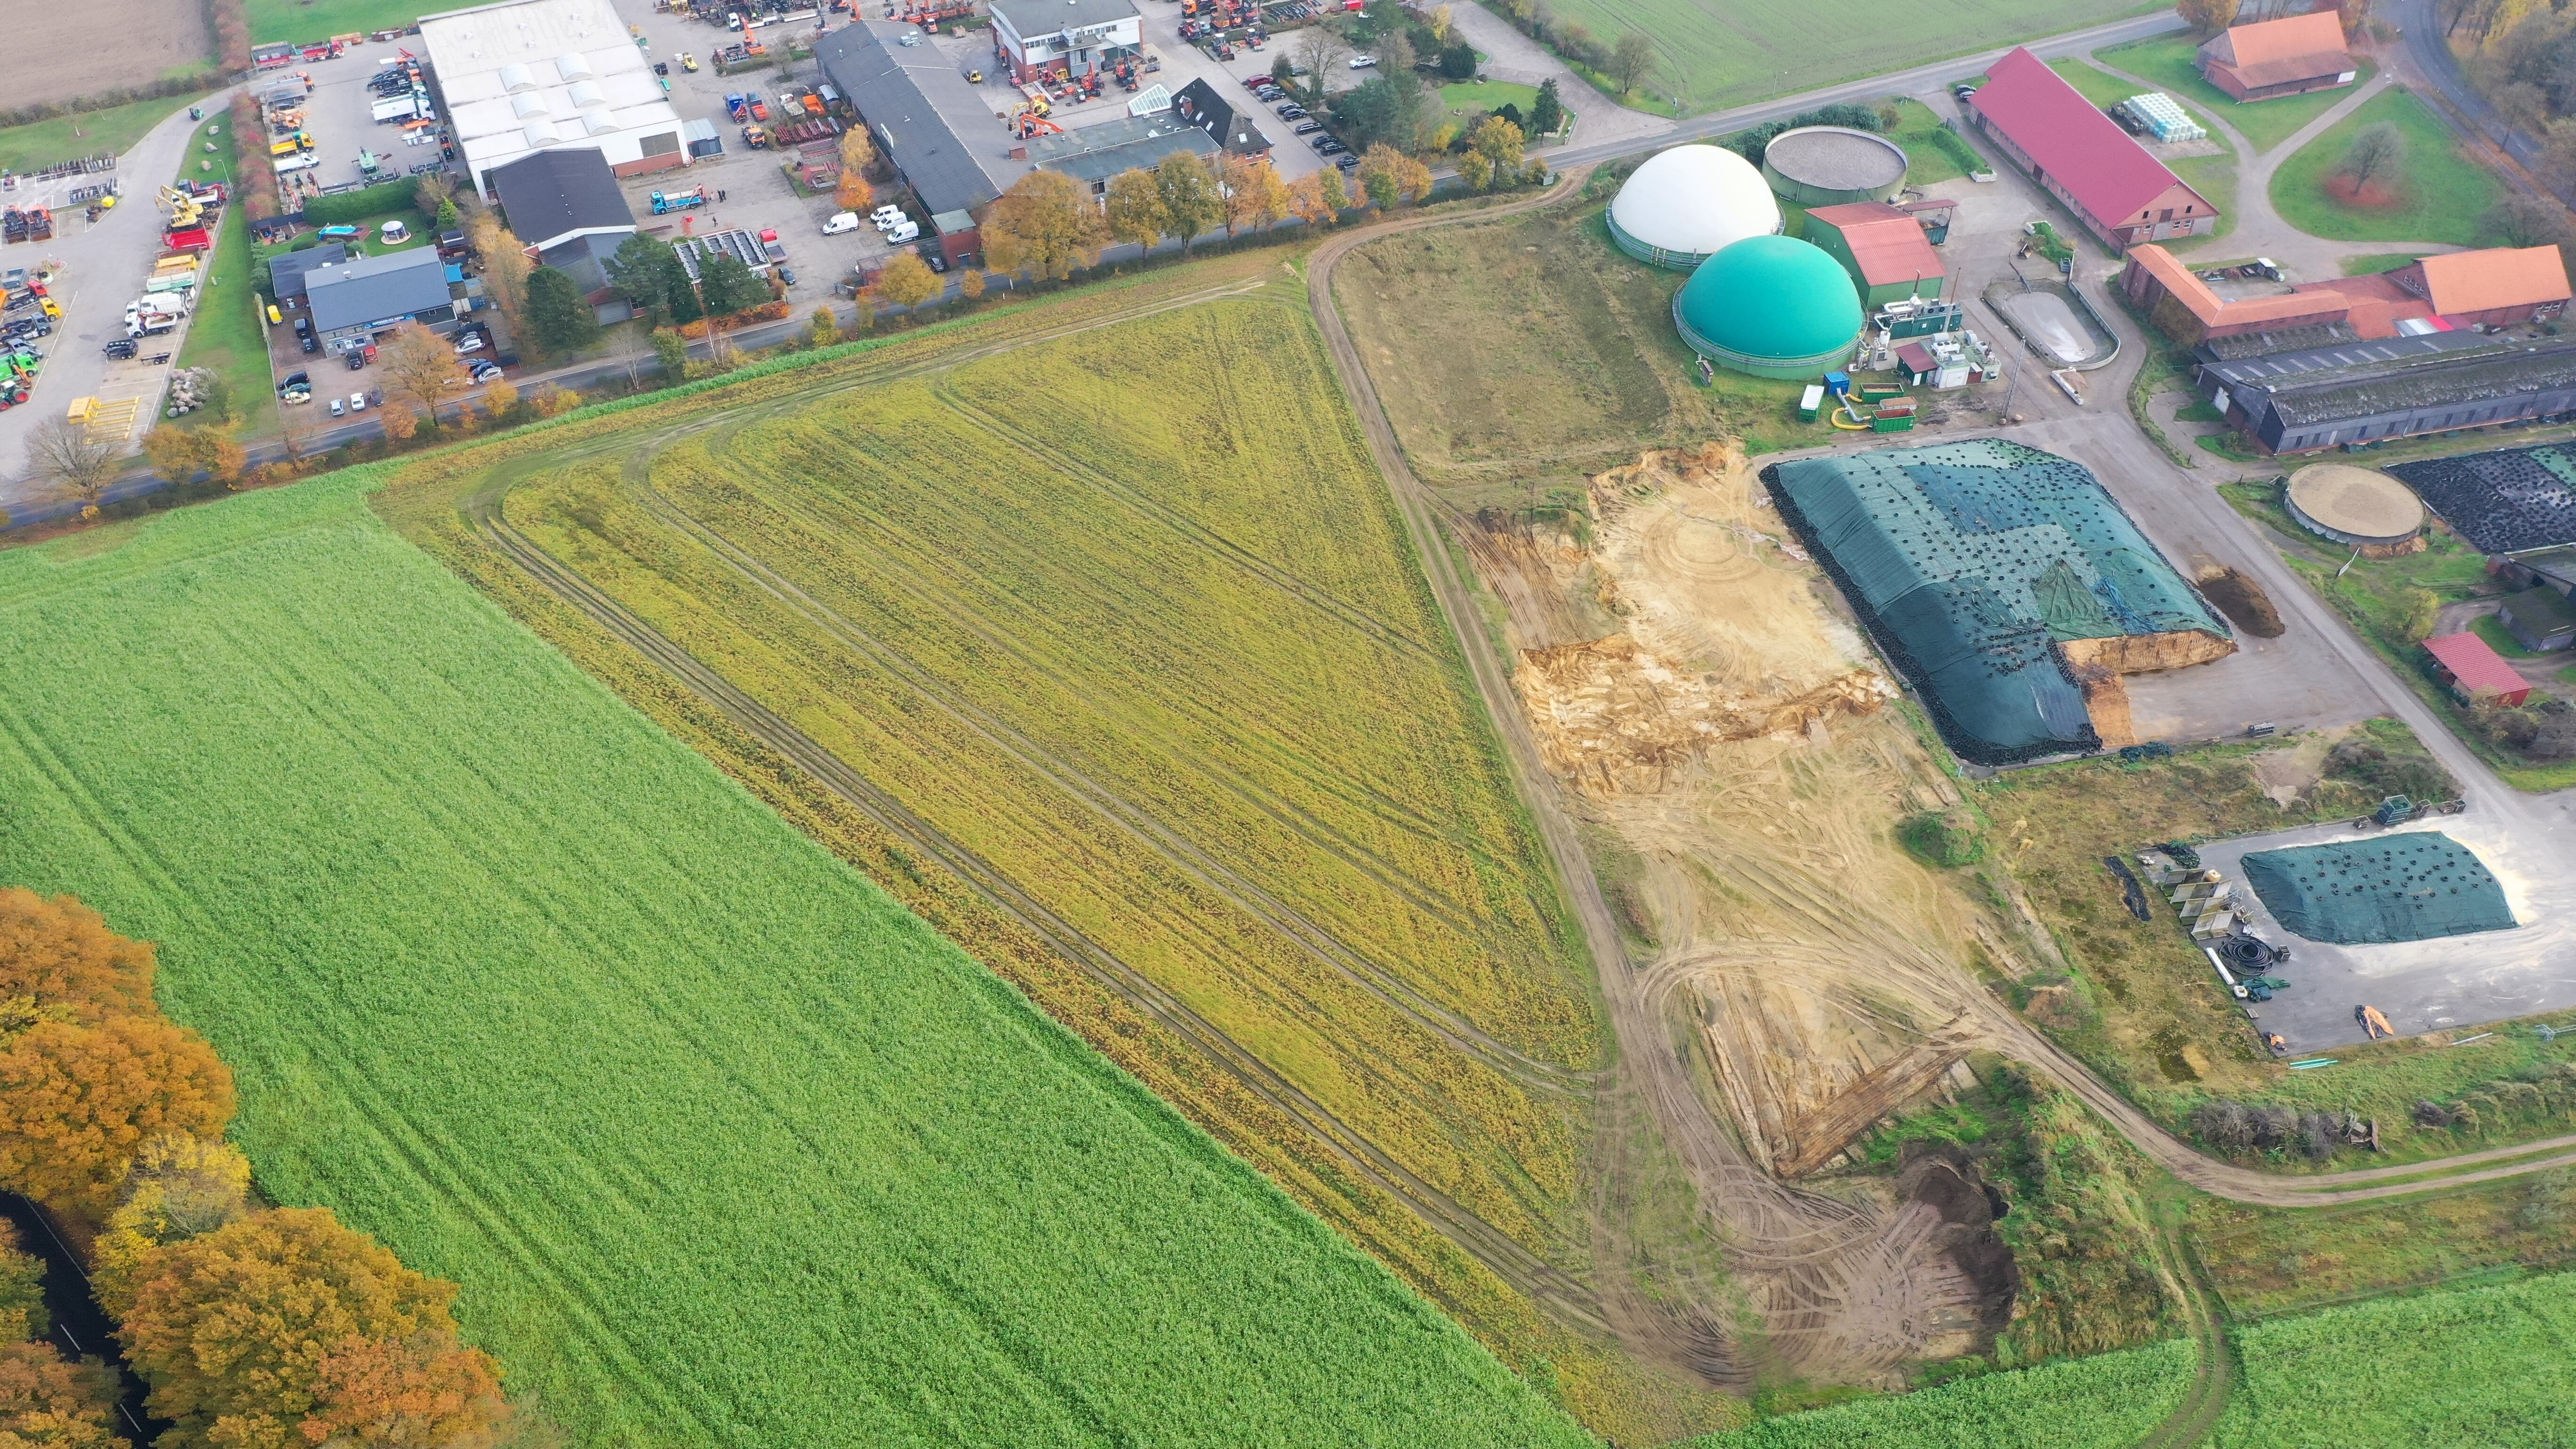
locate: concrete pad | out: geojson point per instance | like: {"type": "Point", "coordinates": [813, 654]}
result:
{"type": "Point", "coordinates": [2045, 317]}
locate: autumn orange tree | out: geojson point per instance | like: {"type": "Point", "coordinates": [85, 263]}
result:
{"type": "Point", "coordinates": [77, 1100]}
{"type": "Point", "coordinates": [287, 1326]}
{"type": "Point", "coordinates": [51, 1401]}
{"type": "Point", "coordinates": [61, 953]}
{"type": "Point", "coordinates": [23, 1313]}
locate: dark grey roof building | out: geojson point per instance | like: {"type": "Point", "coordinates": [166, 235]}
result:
{"type": "Point", "coordinates": [1093, 154]}
{"type": "Point", "coordinates": [286, 270]}
{"type": "Point", "coordinates": [1200, 105]}
{"type": "Point", "coordinates": [354, 300]}
{"type": "Point", "coordinates": [565, 204]}
{"type": "Point", "coordinates": [2341, 356]}
{"type": "Point", "coordinates": [2421, 391]}
{"type": "Point", "coordinates": [893, 87]}
{"type": "Point", "coordinates": [2285, 339]}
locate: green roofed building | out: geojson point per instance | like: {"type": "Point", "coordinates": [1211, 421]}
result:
{"type": "Point", "coordinates": [1771, 306]}
{"type": "Point", "coordinates": [2407, 887]}
{"type": "Point", "coordinates": [2004, 583]}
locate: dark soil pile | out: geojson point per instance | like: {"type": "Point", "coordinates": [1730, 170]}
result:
{"type": "Point", "coordinates": [2243, 602]}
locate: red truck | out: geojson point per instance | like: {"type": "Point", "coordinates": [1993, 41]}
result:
{"type": "Point", "coordinates": [193, 239]}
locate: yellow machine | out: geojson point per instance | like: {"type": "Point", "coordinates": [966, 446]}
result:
{"type": "Point", "coordinates": [274, 316]}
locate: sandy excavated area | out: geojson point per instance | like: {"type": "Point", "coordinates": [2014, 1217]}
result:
{"type": "Point", "coordinates": [56, 52]}
{"type": "Point", "coordinates": [1726, 722]}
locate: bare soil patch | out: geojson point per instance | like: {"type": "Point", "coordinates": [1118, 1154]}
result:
{"type": "Point", "coordinates": [2370, 195]}
{"type": "Point", "coordinates": [2242, 600]}
{"type": "Point", "coordinates": [58, 52]}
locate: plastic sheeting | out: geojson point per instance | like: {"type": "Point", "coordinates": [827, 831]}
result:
{"type": "Point", "coordinates": [1968, 561]}
{"type": "Point", "coordinates": [2407, 887]}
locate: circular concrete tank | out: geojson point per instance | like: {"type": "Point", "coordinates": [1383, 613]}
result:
{"type": "Point", "coordinates": [2355, 506]}
{"type": "Point", "coordinates": [1829, 165]}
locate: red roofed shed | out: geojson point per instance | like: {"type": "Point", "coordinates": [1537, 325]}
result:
{"type": "Point", "coordinates": [2474, 673]}
{"type": "Point", "coordinates": [2083, 158]}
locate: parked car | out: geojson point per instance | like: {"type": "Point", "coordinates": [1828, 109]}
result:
{"type": "Point", "coordinates": [338, 408]}
{"type": "Point", "coordinates": [839, 222]}
{"type": "Point", "coordinates": [1347, 162]}
{"type": "Point", "coordinates": [937, 262]}
{"type": "Point", "coordinates": [1289, 110]}
{"type": "Point", "coordinates": [900, 234]}
{"type": "Point", "coordinates": [357, 402]}
{"type": "Point", "coordinates": [1307, 128]}
{"type": "Point", "coordinates": [886, 216]}
{"type": "Point", "coordinates": [356, 359]}
{"type": "Point", "coordinates": [121, 347]}
{"type": "Point", "coordinates": [468, 342]}
{"type": "Point", "coordinates": [787, 274]}
{"type": "Point", "coordinates": [1327, 146]}
{"type": "Point", "coordinates": [298, 378]}
{"type": "Point", "coordinates": [310, 346]}
{"type": "Point", "coordinates": [1363, 62]}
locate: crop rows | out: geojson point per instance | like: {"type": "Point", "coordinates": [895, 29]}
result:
{"type": "Point", "coordinates": [724, 1147]}
{"type": "Point", "coordinates": [2110, 1401]}
{"type": "Point", "coordinates": [1212, 725]}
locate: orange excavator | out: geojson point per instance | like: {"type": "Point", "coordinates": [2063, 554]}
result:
{"type": "Point", "coordinates": [1030, 123]}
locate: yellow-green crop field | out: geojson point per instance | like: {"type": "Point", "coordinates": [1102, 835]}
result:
{"type": "Point", "coordinates": [1107, 652]}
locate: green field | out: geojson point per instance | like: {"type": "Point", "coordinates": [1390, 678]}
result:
{"type": "Point", "coordinates": [303, 20]}
{"type": "Point", "coordinates": [2108, 1401]}
{"type": "Point", "coordinates": [86, 133]}
{"type": "Point", "coordinates": [1931, 153]}
{"type": "Point", "coordinates": [1716, 56]}
{"type": "Point", "coordinates": [2445, 192]}
{"type": "Point", "coordinates": [1468, 98]}
{"type": "Point", "coordinates": [2167, 61]}
{"type": "Point", "coordinates": [2485, 1366]}
{"type": "Point", "coordinates": [723, 1146]}
{"type": "Point", "coordinates": [2370, 262]}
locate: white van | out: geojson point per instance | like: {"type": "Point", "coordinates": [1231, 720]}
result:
{"type": "Point", "coordinates": [841, 221]}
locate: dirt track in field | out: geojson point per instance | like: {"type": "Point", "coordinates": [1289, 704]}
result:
{"type": "Point", "coordinates": [56, 52]}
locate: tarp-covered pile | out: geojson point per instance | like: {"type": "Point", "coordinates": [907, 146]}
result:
{"type": "Point", "coordinates": [2409, 887]}
{"type": "Point", "coordinates": [1969, 562]}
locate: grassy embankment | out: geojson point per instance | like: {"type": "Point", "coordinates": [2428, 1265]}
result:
{"type": "Point", "coordinates": [699, 1118]}
{"type": "Point", "coordinates": [1933, 153]}
{"type": "Point", "coordinates": [86, 133]}
{"type": "Point", "coordinates": [1022, 602]}
{"type": "Point", "coordinates": [2167, 61]}
{"type": "Point", "coordinates": [2374, 595]}
{"type": "Point", "coordinates": [2441, 194]}
{"type": "Point", "coordinates": [228, 333]}
{"type": "Point", "coordinates": [2212, 176]}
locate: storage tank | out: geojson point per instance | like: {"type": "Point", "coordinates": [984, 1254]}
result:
{"type": "Point", "coordinates": [1688, 204]}
{"type": "Point", "coordinates": [1829, 165]}
{"type": "Point", "coordinates": [1771, 306]}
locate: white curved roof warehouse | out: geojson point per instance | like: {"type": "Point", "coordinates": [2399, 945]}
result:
{"type": "Point", "coordinates": [1687, 204]}
{"type": "Point", "coordinates": [534, 75]}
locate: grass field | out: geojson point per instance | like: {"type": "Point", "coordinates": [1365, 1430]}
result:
{"type": "Point", "coordinates": [2445, 191]}
{"type": "Point", "coordinates": [1716, 56]}
{"type": "Point", "coordinates": [88, 133]}
{"type": "Point", "coordinates": [302, 20]}
{"type": "Point", "coordinates": [2371, 262]}
{"type": "Point", "coordinates": [1931, 153]}
{"type": "Point", "coordinates": [226, 333]}
{"type": "Point", "coordinates": [2485, 1366]}
{"type": "Point", "coordinates": [723, 1146]}
{"type": "Point", "coordinates": [1467, 98]}
{"type": "Point", "coordinates": [1523, 356]}
{"type": "Point", "coordinates": [2167, 61]}
{"type": "Point", "coordinates": [2109, 1401]}
{"type": "Point", "coordinates": [2266, 1262]}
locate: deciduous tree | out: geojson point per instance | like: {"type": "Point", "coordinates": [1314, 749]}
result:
{"type": "Point", "coordinates": [672, 351]}
{"type": "Point", "coordinates": [853, 193]}
{"type": "Point", "coordinates": [907, 281]}
{"type": "Point", "coordinates": [823, 329]}
{"type": "Point", "coordinates": [559, 319]}
{"type": "Point", "coordinates": [728, 284]}
{"type": "Point", "coordinates": [421, 365]}
{"type": "Point", "coordinates": [647, 273]}
{"type": "Point", "coordinates": [76, 1101]}
{"type": "Point", "coordinates": [970, 285]}
{"type": "Point", "coordinates": [1256, 199]}
{"type": "Point", "coordinates": [1134, 208]}
{"type": "Point", "coordinates": [221, 455]}
{"type": "Point", "coordinates": [2207, 17]}
{"type": "Point", "coordinates": [75, 464]}
{"type": "Point", "coordinates": [23, 1313]}
{"type": "Point", "coordinates": [500, 395]}
{"type": "Point", "coordinates": [1500, 143]}
{"type": "Point", "coordinates": [1044, 226]}
{"type": "Point", "coordinates": [858, 152]}
{"type": "Point", "coordinates": [2376, 152]}
{"type": "Point", "coordinates": [506, 265]}
{"type": "Point", "coordinates": [285, 1324]}
{"type": "Point", "coordinates": [1191, 201]}
{"type": "Point", "coordinates": [179, 1187]}
{"type": "Point", "coordinates": [49, 1401]}
{"type": "Point", "coordinates": [1630, 59]}
{"type": "Point", "coordinates": [1439, 22]}
{"type": "Point", "coordinates": [171, 452]}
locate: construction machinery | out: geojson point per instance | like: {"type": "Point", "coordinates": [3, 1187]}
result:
{"type": "Point", "coordinates": [666, 202]}
{"type": "Point", "coordinates": [185, 210]}
{"type": "Point", "coordinates": [1025, 125]}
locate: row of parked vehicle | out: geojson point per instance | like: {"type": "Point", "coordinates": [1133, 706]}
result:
{"type": "Point", "coordinates": [890, 221]}
{"type": "Point", "coordinates": [1300, 122]}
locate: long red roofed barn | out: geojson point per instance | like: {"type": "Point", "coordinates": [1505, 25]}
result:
{"type": "Point", "coordinates": [2284, 57]}
{"type": "Point", "coordinates": [2083, 158]}
{"type": "Point", "coordinates": [2495, 287]}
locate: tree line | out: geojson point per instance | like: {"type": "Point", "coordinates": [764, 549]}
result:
{"type": "Point", "coordinates": [252, 1326]}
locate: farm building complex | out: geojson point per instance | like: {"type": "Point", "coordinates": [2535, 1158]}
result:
{"type": "Point", "coordinates": [890, 88]}
{"type": "Point", "coordinates": [2083, 158]}
{"type": "Point", "coordinates": [2496, 287]}
{"type": "Point", "coordinates": [1688, 204]}
{"type": "Point", "coordinates": [534, 75]}
{"type": "Point", "coordinates": [1096, 153]}
{"type": "Point", "coordinates": [565, 205]}
{"type": "Point", "coordinates": [2285, 57]}
{"type": "Point", "coordinates": [2005, 582]}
